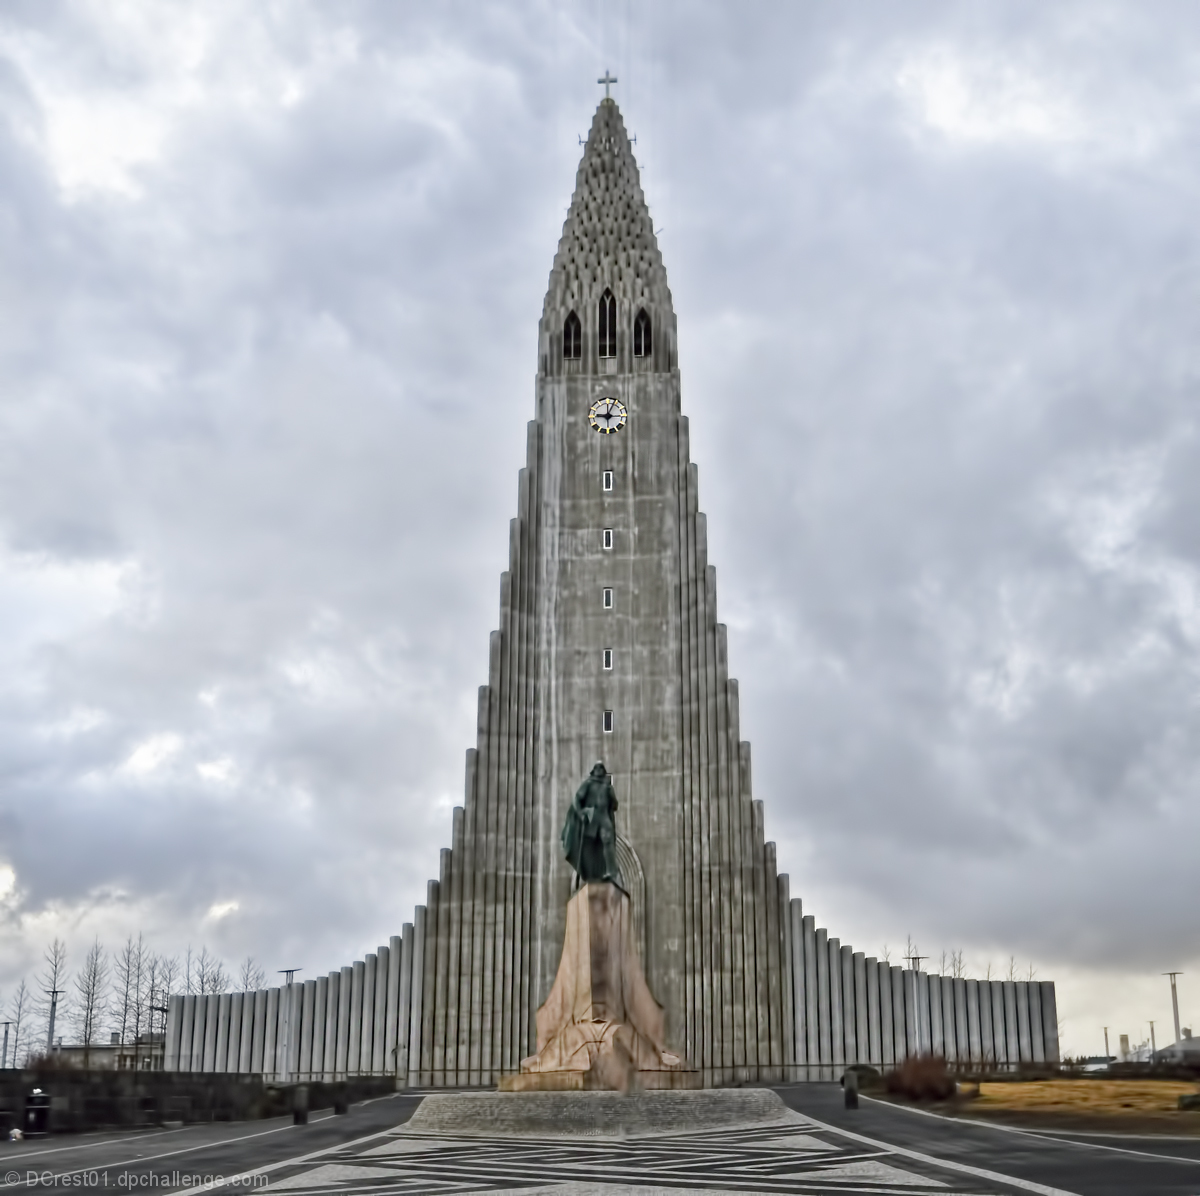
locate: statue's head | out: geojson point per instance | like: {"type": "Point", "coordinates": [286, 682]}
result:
{"type": "Point", "coordinates": [598, 770]}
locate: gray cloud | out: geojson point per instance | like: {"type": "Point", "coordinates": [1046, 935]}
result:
{"type": "Point", "coordinates": [271, 283]}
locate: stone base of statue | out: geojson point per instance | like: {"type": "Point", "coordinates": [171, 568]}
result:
{"type": "Point", "coordinates": [600, 1027]}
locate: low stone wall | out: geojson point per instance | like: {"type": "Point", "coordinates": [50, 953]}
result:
{"type": "Point", "coordinates": [91, 1100]}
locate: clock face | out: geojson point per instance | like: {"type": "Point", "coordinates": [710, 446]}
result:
{"type": "Point", "coordinates": [608, 415]}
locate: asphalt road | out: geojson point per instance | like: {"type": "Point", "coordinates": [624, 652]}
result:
{"type": "Point", "coordinates": [1088, 1166]}
{"type": "Point", "coordinates": [162, 1160]}
{"type": "Point", "coordinates": [198, 1155]}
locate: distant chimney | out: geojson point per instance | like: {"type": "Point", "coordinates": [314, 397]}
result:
{"type": "Point", "coordinates": [1187, 1033]}
{"type": "Point", "coordinates": [1124, 1046]}
{"type": "Point", "coordinates": [115, 1040]}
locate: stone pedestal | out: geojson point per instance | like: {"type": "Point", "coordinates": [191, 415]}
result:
{"type": "Point", "coordinates": [600, 1027]}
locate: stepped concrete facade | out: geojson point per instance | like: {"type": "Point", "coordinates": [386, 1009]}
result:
{"type": "Point", "coordinates": [609, 649]}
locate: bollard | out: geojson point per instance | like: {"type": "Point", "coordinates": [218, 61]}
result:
{"type": "Point", "coordinates": [300, 1105]}
{"type": "Point", "coordinates": [850, 1087]}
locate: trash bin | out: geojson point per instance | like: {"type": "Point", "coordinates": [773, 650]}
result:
{"type": "Point", "coordinates": [37, 1114]}
{"type": "Point", "coordinates": [300, 1104]}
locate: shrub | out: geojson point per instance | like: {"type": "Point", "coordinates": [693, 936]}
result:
{"type": "Point", "coordinates": [921, 1077]}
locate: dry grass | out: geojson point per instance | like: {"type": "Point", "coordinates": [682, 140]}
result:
{"type": "Point", "coordinates": [1091, 1098]}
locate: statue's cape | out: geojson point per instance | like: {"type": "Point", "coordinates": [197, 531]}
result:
{"type": "Point", "coordinates": [572, 836]}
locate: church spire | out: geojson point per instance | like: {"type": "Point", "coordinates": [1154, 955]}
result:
{"type": "Point", "coordinates": [607, 245]}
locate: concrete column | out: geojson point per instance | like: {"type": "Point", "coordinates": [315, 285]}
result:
{"type": "Point", "coordinates": [937, 1036]}
{"type": "Point", "coordinates": [416, 1059]}
{"type": "Point", "coordinates": [899, 985]}
{"type": "Point", "coordinates": [345, 1005]}
{"type": "Point", "coordinates": [812, 990]}
{"type": "Point", "coordinates": [974, 1029]}
{"type": "Point", "coordinates": [913, 1041]}
{"type": "Point", "coordinates": [887, 1023]}
{"type": "Point", "coordinates": [837, 1026]}
{"type": "Point", "coordinates": [438, 1046]}
{"type": "Point", "coordinates": [234, 1050]}
{"type": "Point", "coordinates": [962, 1032]}
{"type": "Point", "coordinates": [320, 1016]}
{"type": "Point", "coordinates": [391, 1006]}
{"type": "Point", "coordinates": [1012, 1033]}
{"type": "Point", "coordinates": [199, 1031]}
{"type": "Point", "coordinates": [1037, 1041]}
{"type": "Point", "coordinates": [824, 1012]}
{"type": "Point", "coordinates": [404, 1003]}
{"type": "Point", "coordinates": [379, 1006]}
{"type": "Point", "coordinates": [787, 987]}
{"type": "Point", "coordinates": [221, 1050]}
{"type": "Point", "coordinates": [862, 1010]}
{"type": "Point", "coordinates": [271, 1060]}
{"type": "Point", "coordinates": [799, 996]}
{"type": "Point", "coordinates": [999, 1029]}
{"type": "Point", "coordinates": [1050, 1021]}
{"type": "Point", "coordinates": [924, 1014]}
{"type": "Point", "coordinates": [849, 1006]}
{"type": "Point", "coordinates": [950, 1018]}
{"type": "Point", "coordinates": [366, 1021]}
{"type": "Point", "coordinates": [187, 1020]}
{"type": "Point", "coordinates": [246, 1038]}
{"type": "Point", "coordinates": [333, 989]}
{"type": "Point", "coordinates": [258, 1042]}
{"type": "Point", "coordinates": [170, 1038]}
{"type": "Point", "coordinates": [873, 1037]}
{"type": "Point", "coordinates": [1024, 1039]}
{"type": "Point", "coordinates": [212, 1017]}
{"type": "Point", "coordinates": [308, 1009]}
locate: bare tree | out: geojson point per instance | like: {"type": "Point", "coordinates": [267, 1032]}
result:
{"type": "Point", "coordinates": [251, 976]}
{"type": "Point", "coordinates": [18, 1012]}
{"type": "Point", "coordinates": [1032, 973]}
{"type": "Point", "coordinates": [54, 1003]}
{"type": "Point", "coordinates": [91, 988]}
{"type": "Point", "coordinates": [957, 968]}
{"type": "Point", "coordinates": [886, 956]}
{"type": "Point", "coordinates": [127, 1006]}
{"type": "Point", "coordinates": [1012, 967]}
{"type": "Point", "coordinates": [987, 973]}
{"type": "Point", "coordinates": [942, 966]}
{"type": "Point", "coordinates": [210, 973]}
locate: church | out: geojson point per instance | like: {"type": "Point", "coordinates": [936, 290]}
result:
{"type": "Point", "coordinates": [609, 649]}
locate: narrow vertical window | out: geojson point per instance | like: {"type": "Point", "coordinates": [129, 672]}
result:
{"type": "Point", "coordinates": [608, 658]}
{"type": "Point", "coordinates": [572, 338]}
{"type": "Point", "coordinates": [608, 537]}
{"type": "Point", "coordinates": [608, 599]}
{"type": "Point", "coordinates": [608, 325]}
{"type": "Point", "coordinates": [641, 334]}
{"type": "Point", "coordinates": [606, 480]}
{"type": "Point", "coordinates": [608, 721]}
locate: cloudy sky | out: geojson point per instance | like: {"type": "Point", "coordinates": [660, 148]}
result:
{"type": "Point", "coordinates": [270, 277]}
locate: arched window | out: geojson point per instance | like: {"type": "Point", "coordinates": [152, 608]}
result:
{"type": "Point", "coordinates": [641, 334]}
{"type": "Point", "coordinates": [572, 338]}
{"type": "Point", "coordinates": [608, 325]}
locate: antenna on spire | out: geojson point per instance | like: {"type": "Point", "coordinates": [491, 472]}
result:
{"type": "Point", "coordinates": [608, 79]}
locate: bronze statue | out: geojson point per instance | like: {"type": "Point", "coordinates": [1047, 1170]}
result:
{"type": "Point", "coordinates": [589, 836]}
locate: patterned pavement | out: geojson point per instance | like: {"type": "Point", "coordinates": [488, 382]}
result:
{"type": "Point", "coordinates": [784, 1158]}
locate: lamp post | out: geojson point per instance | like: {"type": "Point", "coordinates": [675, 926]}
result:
{"type": "Point", "coordinates": [1175, 1001]}
{"type": "Point", "coordinates": [54, 994]}
{"type": "Point", "coordinates": [163, 1010]}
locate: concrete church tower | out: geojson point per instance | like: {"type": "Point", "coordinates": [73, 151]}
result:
{"type": "Point", "coordinates": [609, 649]}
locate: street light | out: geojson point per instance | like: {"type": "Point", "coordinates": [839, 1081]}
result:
{"type": "Point", "coordinates": [54, 994]}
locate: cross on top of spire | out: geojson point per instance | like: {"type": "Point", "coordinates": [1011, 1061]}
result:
{"type": "Point", "coordinates": [608, 79]}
